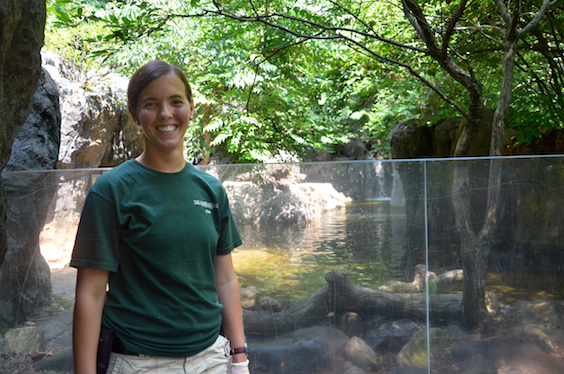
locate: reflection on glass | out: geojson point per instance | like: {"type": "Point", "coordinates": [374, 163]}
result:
{"type": "Point", "coordinates": [333, 265]}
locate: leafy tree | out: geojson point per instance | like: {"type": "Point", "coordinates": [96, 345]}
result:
{"type": "Point", "coordinates": [255, 96]}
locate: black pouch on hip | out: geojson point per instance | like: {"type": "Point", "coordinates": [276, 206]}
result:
{"type": "Point", "coordinates": [104, 350]}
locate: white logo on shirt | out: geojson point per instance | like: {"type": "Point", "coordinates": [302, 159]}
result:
{"type": "Point", "coordinates": [207, 205]}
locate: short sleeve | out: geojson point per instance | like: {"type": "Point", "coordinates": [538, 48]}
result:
{"type": "Point", "coordinates": [229, 237]}
{"type": "Point", "coordinates": [96, 245]}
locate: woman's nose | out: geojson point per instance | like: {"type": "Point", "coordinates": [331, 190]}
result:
{"type": "Point", "coordinates": [165, 111]}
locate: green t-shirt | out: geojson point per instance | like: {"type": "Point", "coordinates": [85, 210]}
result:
{"type": "Point", "coordinates": [158, 234]}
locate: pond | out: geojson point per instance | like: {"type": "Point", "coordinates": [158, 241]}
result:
{"type": "Point", "coordinates": [291, 262]}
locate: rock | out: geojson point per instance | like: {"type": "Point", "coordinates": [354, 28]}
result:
{"type": "Point", "coordinates": [310, 350]}
{"type": "Point", "coordinates": [62, 361]}
{"type": "Point", "coordinates": [392, 336]}
{"type": "Point", "coordinates": [269, 304]}
{"type": "Point", "coordinates": [96, 127]}
{"type": "Point", "coordinates": [414, 353]}
{"type": "Point", "coordinates": [25, 283]}
{"type": "Point", "coordinates": [355, 149]}
{"type": "Point", "coordinates": [351, 324]}
{"type": "Point", "coordinates": [360, 354]}
{"type": "Point", "coordinates": [354, 370]}
{"type": "Point", "coordinates": [539, 332]}
{"type": "Point", "coordinates": [284, 201]}
{"type": "Point", "coordinates": [547, 315]}
{"type": "Point", "coordinates": [513, 352]}
{"type": "Point", "coordinates": [20, 71]}
{"type": "Point", "coordinates": [23, 340]}
{"type": "Point", "coordinates": [57, 329]}
{"type": "Point", "coordinates": [96, 131]}
{"type": "Point", "coordinates": [249, 297]}
{"type": "Point", "coordinates": [410, 140]}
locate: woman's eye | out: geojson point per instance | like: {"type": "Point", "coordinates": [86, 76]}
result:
{"type": "Point", "coordinates": [150, 105]}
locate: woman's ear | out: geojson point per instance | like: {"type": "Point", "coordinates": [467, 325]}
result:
{"type": "Point", "coordinates": [192, 110]}
{"type": "Point", "coordinates": [133, 114]}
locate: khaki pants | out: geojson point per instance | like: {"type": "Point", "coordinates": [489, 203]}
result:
{"type": "Point", "coordinates": [212, 360]}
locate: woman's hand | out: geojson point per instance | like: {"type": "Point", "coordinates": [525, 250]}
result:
{"type": "Point", "coordinates": [239, 367]}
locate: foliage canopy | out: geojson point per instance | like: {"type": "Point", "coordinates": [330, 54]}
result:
{"type": "Point", "coordinates": [278, 76]}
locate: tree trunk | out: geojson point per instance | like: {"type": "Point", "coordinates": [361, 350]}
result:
{"type": "Point", "coordinates": [340, 296]}
{"type": "Point", "coordinates": [207, 136]}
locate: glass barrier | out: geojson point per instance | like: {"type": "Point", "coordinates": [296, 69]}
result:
{"type": "Point", "coordinates": [348, 267]}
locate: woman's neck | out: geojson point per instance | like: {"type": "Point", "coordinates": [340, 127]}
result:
{"type": "Point", "coordinates": [171, 163]}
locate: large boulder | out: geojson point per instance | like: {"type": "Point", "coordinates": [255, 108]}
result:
{"type": "Point", "coordinates": [415, 352]}
{"type": "Point", "coordinates": [277, 193]}
{"type": "Point", "coordinates": [96, 131]}
{"type": "Point", "coordinates": [96, 127]}
{"type": "Point", "coordinates": [311, 350]}
{"type": "Point", "coordinates": [391, 336]}
{"type": "Point", "coordinates": [22, 24]}
{"type": "Point", "coordinates": [25, 282]}
{"type": "Point", "coordinates": [23, 340]}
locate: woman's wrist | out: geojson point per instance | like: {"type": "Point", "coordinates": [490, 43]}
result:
{"type": "Point", "coordinates": [240, 357]}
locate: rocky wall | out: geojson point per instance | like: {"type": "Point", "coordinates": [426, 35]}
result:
{"type": "Point", "coordinates": [25, 276]}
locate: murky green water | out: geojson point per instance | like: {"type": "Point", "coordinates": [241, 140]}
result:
{"type": "Point", "coordinates": [291, 262]}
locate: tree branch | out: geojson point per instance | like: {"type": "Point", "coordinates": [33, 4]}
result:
{"type": "Point", "coordinates": [546, 4]}
{"type": "Point", "coordinates": [415, 14]}
{"type": "Point", "coordinates": [412, 72]}
{"type": "Point", "coordinates": [451, 25]}
{"type": "Point", "coordinates": [503, 11]}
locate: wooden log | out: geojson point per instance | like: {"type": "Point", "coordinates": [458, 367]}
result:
{"type": "Point", "coordinates": [340, 296]}
{"type": "Point", "coordinates": [368, 302]}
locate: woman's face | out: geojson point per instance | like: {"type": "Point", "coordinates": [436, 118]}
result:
{"type": "Point", "coordinates": [164, 113]}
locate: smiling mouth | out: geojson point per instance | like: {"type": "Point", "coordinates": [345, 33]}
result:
{"type": "Point", "coordinates": [166, 128]}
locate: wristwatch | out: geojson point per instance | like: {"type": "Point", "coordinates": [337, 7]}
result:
{"type": "Point", "coordinates": [239, 350]}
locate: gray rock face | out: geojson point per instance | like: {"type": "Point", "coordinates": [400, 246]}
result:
{"type": "Point", "coordinates": [25, 277]}
{"type": "Point", "coordinates": [96, 129]}
{"type": "Point", "coordinates": [284, 201]}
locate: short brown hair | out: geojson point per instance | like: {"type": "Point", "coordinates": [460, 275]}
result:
{"type": "Point", "coordinates": [148, 73]}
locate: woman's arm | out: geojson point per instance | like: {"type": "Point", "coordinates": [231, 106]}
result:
{"type": "Point", "coordinates": [87, 320]}
{"type": "Point", "coordinates": [230, 296]}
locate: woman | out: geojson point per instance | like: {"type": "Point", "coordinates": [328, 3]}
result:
{"type": "Point", "coordinates": [159, 233]}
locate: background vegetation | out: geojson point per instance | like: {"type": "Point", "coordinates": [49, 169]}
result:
{"type": "Point", "coordinates": [278, 77]}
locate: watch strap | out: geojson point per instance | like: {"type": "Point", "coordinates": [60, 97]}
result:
{"type": "Point", "coordinates": [238, 350]}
